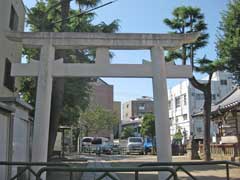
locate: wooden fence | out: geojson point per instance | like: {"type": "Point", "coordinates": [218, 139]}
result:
{"type": "Point", "coordinates": [223, 151]}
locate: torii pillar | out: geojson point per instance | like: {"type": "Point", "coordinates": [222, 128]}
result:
{"type": "Point", "coordinates": [162, 125]}
{"type": "Point", "coordinates": [43, 104]}
{"type": "Point", "coordinates": [47, 68]}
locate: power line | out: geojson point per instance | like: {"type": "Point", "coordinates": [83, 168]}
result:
{"type": "Point", "coordinates": [83, 13]}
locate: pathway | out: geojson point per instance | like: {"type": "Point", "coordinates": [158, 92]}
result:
{"type": "Point", "coordinates": [97, 162]}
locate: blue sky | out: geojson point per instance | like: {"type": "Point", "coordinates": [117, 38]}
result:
{"type": "Point", "coordinates": [146, 16]}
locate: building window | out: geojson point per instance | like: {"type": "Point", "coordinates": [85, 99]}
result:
{"type": "Point", "coordinates": [170, 104]}
{"type": "Point", "coordinates": [177, 102]}
{"type": "Point", "coordinates": [177, 120]}
{"type": "Point", "coordinates": [223, 82]}
{"type": "Point", "coordinates": [213, 96]}
{"type": "Point", "coordinates": [141, 106]}
{"type": "Point", "coordinates": [185, 99]}
{"type": "Point", "coordinates": [8, 80]}
{"type": "Point", "coordinates": [199, 129]}
{"type": "Point", "coordinates": [13, 23]}
{"type": "Point", "coordinates": [185, 117]}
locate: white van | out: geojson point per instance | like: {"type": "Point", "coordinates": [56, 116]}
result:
{"type": "Point", "coordinates": [98, 142]}
{"type": "Point", "coordinates": [86, 143]}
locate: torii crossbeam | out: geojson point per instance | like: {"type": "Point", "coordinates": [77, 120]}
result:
{"type": "Point", "coordinates": [47, 68]}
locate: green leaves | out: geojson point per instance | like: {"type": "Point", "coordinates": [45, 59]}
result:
{"type": "Point", "coordinates": [127, 132]}
{"type": "Point", "coordinates": [208, 66]}
{"type": "Point", "coordinates": [228, 44]}
{"type": "Point", "coordinates": [97, 118]}
{"type": "Point", "coordinates": [148, 125]}
{"type": "Point", "coordinates": [42, 17]}
{"type": "Point", "coordinates": [186, 20]}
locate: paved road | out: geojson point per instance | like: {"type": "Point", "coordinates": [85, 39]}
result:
{"type": "Point", "coordinates": [213, 172]}
{"type": "Point", "coordinates": [97, 162]}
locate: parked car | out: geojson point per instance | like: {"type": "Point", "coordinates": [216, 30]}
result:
{"type": "Point", "coordinates": [86, 143]}
{"type": "Point", "coordinates": [135, 145]}
{"type": "Point", "coordinates": [98, 142]}
{"type": "Point", "coordinates": [107, 148]}
{"type": "Point", "coordinates": [116, 149]}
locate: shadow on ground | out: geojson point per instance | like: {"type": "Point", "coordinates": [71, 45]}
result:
{"type": "Point", "coordinates": [204, 172]}
{"type": "Point", "coordinates": [155, 177]}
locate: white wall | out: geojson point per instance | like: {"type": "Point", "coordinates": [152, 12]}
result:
{"type": "Point", "coordinates": [4, 143]}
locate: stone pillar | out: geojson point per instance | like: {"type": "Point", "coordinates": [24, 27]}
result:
{"type": "Point", "coordinates": [43, 104]}
{"type": "Point", "coordinates": [102, 56]}
{"type": "Point", "coordinates": [162, 123]}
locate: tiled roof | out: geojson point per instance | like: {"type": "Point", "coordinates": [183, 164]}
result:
{"type": "Point", "coordinates": [228, 102]}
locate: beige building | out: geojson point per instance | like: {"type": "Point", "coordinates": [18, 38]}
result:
{"type": "Point", "coordinates": [15, 124]}
{"type": "Point", "coordinates": [102, 94]}
{"type": "Point", "coordinates": [12, 15]}
{"type": "Point", "coordinates": [137, 108]}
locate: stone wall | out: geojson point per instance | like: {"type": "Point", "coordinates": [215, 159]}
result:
{"type": "Point", "coordinates": [15, 133]}
{"type": "Point", "coordinates": [5, 137]}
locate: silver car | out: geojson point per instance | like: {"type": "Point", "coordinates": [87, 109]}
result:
{"type": "Point", "coordinates": [135, 145]}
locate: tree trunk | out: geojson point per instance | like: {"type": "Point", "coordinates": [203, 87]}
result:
{"type": "Point", "coordinates": [58, 87]}
{"type": "Point", "coordinates": [207, 120]}
{"type": "Point", "coordinates": [56, 108]}
{"type": "Point", "coordinates": [206, 89]}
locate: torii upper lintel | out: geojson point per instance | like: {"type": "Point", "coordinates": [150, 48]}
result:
{"type": "Point", "coordinates": [70, 40]}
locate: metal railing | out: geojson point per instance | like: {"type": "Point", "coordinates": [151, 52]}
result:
{"type": "Point", "coordinates": [171, 167]}
{"type": "Point", "coordinates": [62, 167]}
{"type": "Point", "coordinates": [27, 166]}
{"type": "Point", "coordinates": [179, 166]}
{"type": "Point", "coordinates": [107, 171]}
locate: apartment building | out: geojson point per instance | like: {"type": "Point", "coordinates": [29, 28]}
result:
{"type": "Point", "coordinates": [185, 100]}
{"type": "Point", "coordinates": [136, 108]}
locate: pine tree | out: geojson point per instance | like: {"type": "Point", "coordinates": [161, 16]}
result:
{"type": "Point", "coordinates": [187, 20]}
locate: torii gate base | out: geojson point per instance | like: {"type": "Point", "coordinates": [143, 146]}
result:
{"type": "Point", "coordinates": [47, 68]}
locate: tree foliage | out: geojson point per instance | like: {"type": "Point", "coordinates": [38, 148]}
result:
{"type": "Point", "coordinates": [228, 39]}
{"type": "Point", "coordinates": [187, 20]}
{"type": "Point", "coordinates": [41, 17]}
{"type": "Point", "coordinates": [95, 119]}
{"type": "Point", "coordinates": [178, 135]}
{"type": "Point", "coordinates": [148, 125]}
{"type": "Point", "coordinates": [127, 132]}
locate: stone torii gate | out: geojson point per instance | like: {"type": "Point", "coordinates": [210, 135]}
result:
{"type": "Point", "coordinates": [47, 68]}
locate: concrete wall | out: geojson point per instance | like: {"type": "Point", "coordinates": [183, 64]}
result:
{"type": "Point", "coordinates": [19, 138]}
{"type": "Point", "coordinates": [10, 50]}
{"type": "Point", "coordinates": [5, 137]}
{"type": "Point", "coordinates": [21, 135]}
{"type": "Point", "coordinates": [127, 110]}
{"type": "Point", "coordinates": [102, 95]}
